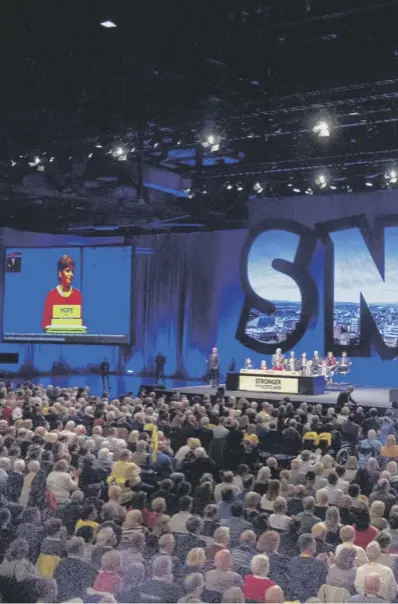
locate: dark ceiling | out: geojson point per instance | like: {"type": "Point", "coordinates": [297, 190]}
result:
{"type": "Point", "coordinates": [259, 74]}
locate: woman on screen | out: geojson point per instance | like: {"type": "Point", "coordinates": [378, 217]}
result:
{"type": "Point", "coordinates": [63, 305]}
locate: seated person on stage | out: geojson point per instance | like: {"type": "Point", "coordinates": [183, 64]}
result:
{"type": "Point", "coordinates": [248, 364]}
{"type": "Point", "coordinates": [278, 366]}
{"type": "Point", "coordinates": [263, 365]}
{"type": "Point", "coordinates": [316, 362]}
{"type": "Point", "coordinates": [278, 356]}
{"type": "Point", "coordinates": [344, 363]}
{"type": "Point", "coordinates": [301, 363]}
{"type": "Point", "coordinates": [290, 363]}
{"type": "Point", "coordinates": [331, 361]}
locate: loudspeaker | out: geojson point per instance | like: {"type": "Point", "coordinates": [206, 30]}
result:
{"type": "Point", "coordinates": [9, 358]}
{"type": "Point", "coordinates": [393, 395]}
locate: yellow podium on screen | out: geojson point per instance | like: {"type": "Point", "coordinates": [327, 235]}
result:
{"type": "Point", "coordinates": [67, 318]}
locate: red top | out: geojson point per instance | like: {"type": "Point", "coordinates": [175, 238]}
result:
{"type": "Point", "coordinates": [363, 538]}
{"type": "Point", "coordinates": [7, 413]}
{"type": "Point", "coordinates": [54, 298]}
{"type": "Point", "coordinates": [331, 362]}
{"type": "Point", "coordinates": [254, 588]}
{"type": "Point", "coordinates": [277, 368]}
{"type": "Point", "coordinates": [109, 581]}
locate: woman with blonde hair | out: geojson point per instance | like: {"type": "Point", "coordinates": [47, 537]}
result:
{"type": "Point", "coordinates": [328, 465]}
{"type": "Point", "coordinates": [272, 494]}
{"type": "Point", "coordinates": [195, 561]}
{"type": "Point", "coordinates": [319, 531]}
{"type": "Point", "coordinates": [376, 512]}
{"type": "Point", "coordinates": [351, 468]}
{"type": "Point", "coordinates": [333, 525]}
{"type": "Point", "coordinates": [279, 520]}
{"type": "Point", "coordinates": [320, 481]}
{"type": "Point", "coordinates": [285, 481]}
{"type": "Point", "coordinates": [262, 480]}
{"type": "Point", "coordinates": [390, 450]}
{"type": "Point", "coordinates": [133, 524]}
{"type": "Point", "coordinates": [322, 504]}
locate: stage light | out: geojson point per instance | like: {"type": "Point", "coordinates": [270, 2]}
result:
{"type": "Point", "coordinates": [229, 186]}
{"type": "Point", "coordinates": [89, 155]}
{"type": "Point", "coordinates": [98, 146]}
{"type": "Point", "coordinates": [211, 141]}
{"type": "Point", "coordinates": [391, 176]}
{"type": "Point", "coordinates": [295, 190]}
{"type": "Point", "coordinates": [37, 160]}
{"type": "Point", "coordinates": [239, 187]}
{"type": "Point", "coordinates": [321, 129]}
{"type": "Point", "coordinates": [258, 188]}
{"type": "Point", "coordinates": [108, 24]}
{"type": "Point", "coordinates": [368, 183]}
{"type": "Point", "coordinates": [119, 153]}
{"type": "Point", "coordinates": [322, 180]}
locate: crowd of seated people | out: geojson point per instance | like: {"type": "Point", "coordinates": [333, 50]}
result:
{"type": "Point", "coordinates": [201, 500]}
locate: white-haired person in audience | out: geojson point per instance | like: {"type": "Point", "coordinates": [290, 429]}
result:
{"type": "Point", "coordinates": [257, 583]}
{"type": "Point", "coordinates": [371, 591]}
{"type": "Point", "coordinates": [388, 585]}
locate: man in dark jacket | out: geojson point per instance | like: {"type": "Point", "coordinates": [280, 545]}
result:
{"type": "Point", "coordinates": [305, 572]}
{"type": "Point", "coordinates": [73, 575]}
{"type": "Point", "coordinates": [202, 464]}
{"type": "Point", "coordinates": [72, 512]}
{"type": "Point", "coordinates": [187, 541]}
{"type": "Point", "coordinates": [15, 481]}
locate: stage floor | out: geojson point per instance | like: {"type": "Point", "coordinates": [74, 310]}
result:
{"type": "Point", "coordinates": [366, 397]}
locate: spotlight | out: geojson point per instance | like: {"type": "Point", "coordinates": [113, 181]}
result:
{"type": "Point", "coordinates": [37, 160]}
{"type": "Point", "coordinates": [239, 187]}
{"type": "Point", "coordinates": [108, 24]}
{"type": "Point", "coordinates": [295, 190]}
{"type": "Point", "coordinates": [258, 188]}
{"type": "Point", "coordinates": [322, 180]}
{"type": "Point", "coordinates": [321, 129]}
{"type": "Point", "coordinates": [212, 142]}
{"type": "Point", "coordinates": [119, 153]}
{"type": "Point", "coordinates": [228, 186]}
{"type": "Point", "coordinates": [392, 176]}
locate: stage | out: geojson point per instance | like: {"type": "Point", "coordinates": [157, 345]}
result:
{"type": "Point", "coordinates": [365, 397]}
{"type": "Point", "coordinates": [120, 384]}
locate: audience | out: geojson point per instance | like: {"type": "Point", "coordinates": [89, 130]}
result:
{"type": "Point", "coordinates": [179, 500]}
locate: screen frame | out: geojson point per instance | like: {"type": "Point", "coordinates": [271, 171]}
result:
{"type": "Point", "coordinates": [78, 246]}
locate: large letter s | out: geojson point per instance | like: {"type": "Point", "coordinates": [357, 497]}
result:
{"type": "Point", "coordinates": [281, 296]}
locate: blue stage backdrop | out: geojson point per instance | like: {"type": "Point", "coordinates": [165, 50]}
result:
{"type": "Point", "coordinates": [312, 273]}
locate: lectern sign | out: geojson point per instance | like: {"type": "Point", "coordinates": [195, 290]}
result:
{"type": "Point", "coordinates": [253, 383]}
